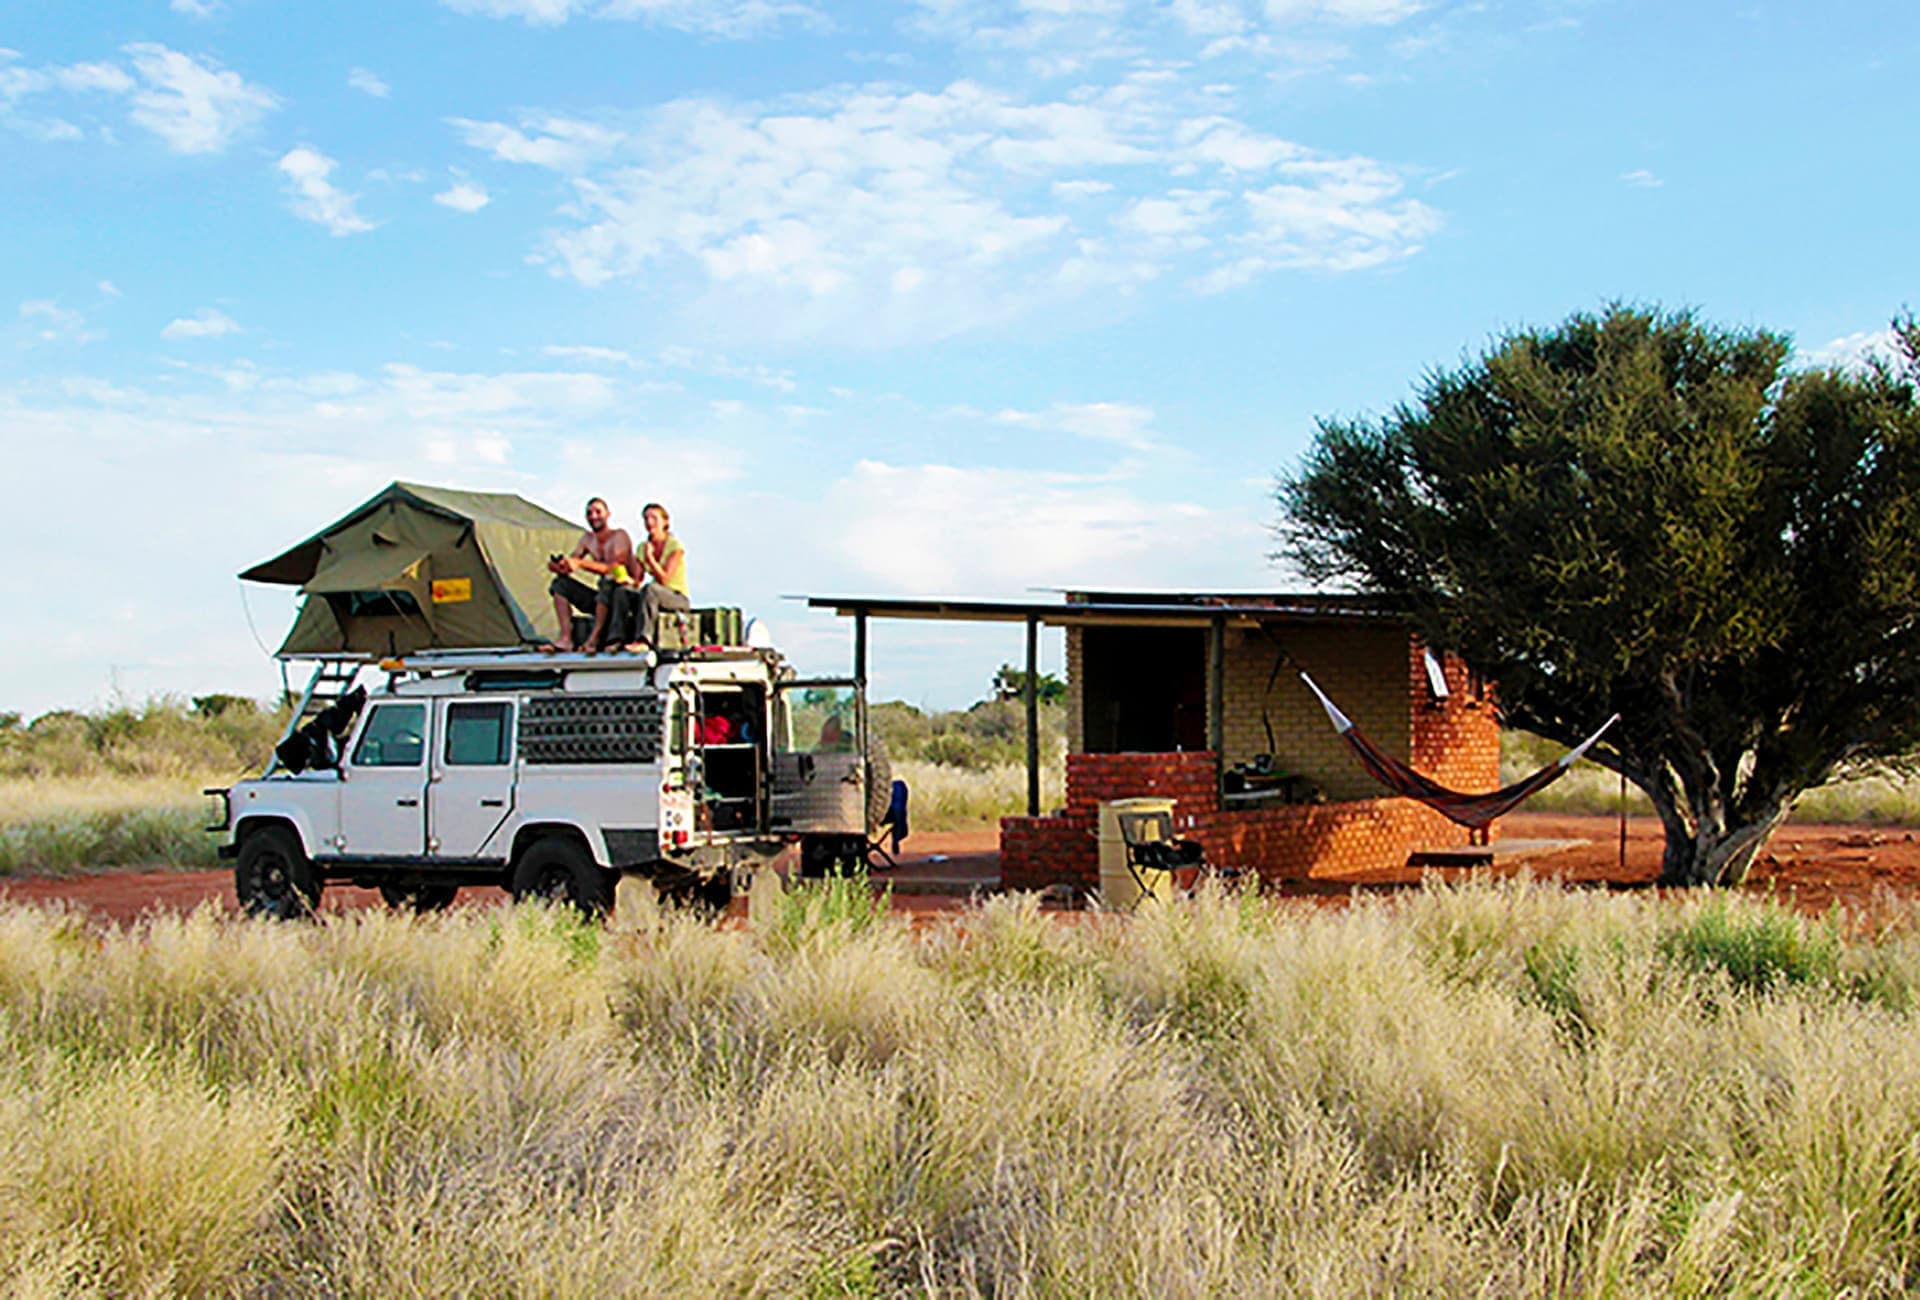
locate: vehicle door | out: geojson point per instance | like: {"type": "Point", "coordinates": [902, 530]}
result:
{"type": "Point", "coordinates": [818, 757]}
{"type": "Point", "coordinates": [470, 788]}
{"type": "Point", "coordinates": [383, 783]}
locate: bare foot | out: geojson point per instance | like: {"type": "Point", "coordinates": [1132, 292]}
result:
{"type": "Point", "coordinates": [556, 648]}
{"type": "Point", "coordinates": [635, 647]}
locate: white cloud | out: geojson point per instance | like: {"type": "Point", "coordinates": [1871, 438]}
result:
{"type": "Point", "coordinates": [315, 197]}
{"type": "Point", "coordinates": [1373, 13]}
{"type": "Point", "coordinates": [1000, 530]}
{"type": "Point", "coordinates": [463, 196]}
{"type": "Point", "coordinates": [195, 8]}
{"type": "Point", "coordinates": [108, 288]}
{"type": "Point", "coordinates": [52, 323]}
{"type": "Point", "coordinates": [369, 83]}
{"type": "Point", "coordinates": [193, 105]}
{"type": "Point", "coordinates": [540, 13]}
{"type": "Point", "coordinates": [877, 215]}
{"type": "Point", "coordinates": [207, 323]}
{"type": "Point", "coordinates": [19, 84]}
{"type": "Point", "coordinates": [1121, 423]}
{"type": "Point", "coordinates": [1642, 179]}
{"type": "Point", "coordinates": [589, 353]}
{"type": "Point", "coordinates": [732, 19]}
{"type": "Point", "coordinates": [562, 144]}
{"type": "Point", "coordinates": [1856, 351]}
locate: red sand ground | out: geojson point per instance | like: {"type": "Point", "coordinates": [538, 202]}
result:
{"type": "Point", "coordinates": [1810, 867]}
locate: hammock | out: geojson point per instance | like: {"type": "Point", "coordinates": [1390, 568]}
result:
{"type": "Point", "coordinates": [1470, 810]}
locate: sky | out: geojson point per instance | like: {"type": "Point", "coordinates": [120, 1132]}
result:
{"type": "Point", "coordinates": [968, 298]}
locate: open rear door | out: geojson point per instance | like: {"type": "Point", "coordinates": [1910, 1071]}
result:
{"type": "Point", "coordinates": [819, 757]}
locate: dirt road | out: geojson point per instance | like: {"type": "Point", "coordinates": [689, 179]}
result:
{"type": "Point", "coordinates": [1810, 867]}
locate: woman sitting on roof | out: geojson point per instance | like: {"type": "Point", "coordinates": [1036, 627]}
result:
{"type": "Point", "coordinates": [663, 562]}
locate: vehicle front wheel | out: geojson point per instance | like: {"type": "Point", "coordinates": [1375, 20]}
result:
{"type": "Point", "coordinates": [273, 876]}
{"type": "Point", "coordinates": [419, 898]}
{"type": "Point", "coordinates": [561, 871]}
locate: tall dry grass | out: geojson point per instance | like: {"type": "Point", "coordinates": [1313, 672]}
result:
{"type": "Point", "coordinates": [1498, 1089]}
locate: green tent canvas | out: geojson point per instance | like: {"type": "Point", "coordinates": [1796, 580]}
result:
{"type": "Point", "coordinates": [420, 568]}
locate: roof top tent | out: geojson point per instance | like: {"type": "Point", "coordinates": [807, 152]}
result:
{"type": "Point", "coordinates": [423, 568]}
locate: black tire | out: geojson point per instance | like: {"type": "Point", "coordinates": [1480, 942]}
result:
{"type": "Point", "coordinates": [273, 877]}
{"type": "Point", "coordinates": [420, 898]}
{"type": "Point", "coordinates": [879, 783]}
{"type": "Point", "coordinates": [561, 871]}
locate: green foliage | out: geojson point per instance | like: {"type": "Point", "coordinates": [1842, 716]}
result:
{"type": "Point", "coordinates": [112, 837]}
{"type": "Point", "coordinates": [1637, 512]}
{"type": "Point", "coordinates": [993, 733]}
{"type": "Point", "coordinates": [219, 735]}
{"type": "Point", "coordinates": [1757, 949]}
{"type": "Point", "coordinates": [1010, 683]}
{"type": "Point", "coordinates": [838, 905]}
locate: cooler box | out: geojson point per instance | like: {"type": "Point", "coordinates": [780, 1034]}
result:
{"type": "Point", "coordinates": [715, 625]}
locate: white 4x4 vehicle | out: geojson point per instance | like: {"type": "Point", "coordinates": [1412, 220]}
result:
{"type": "Point", "coordinates": [552, 776]}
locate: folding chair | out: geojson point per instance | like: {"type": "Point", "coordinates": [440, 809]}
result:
{"type": "Point", "coordinates": [1151, 848]}
{"type": "Point", "coordinates": [884, 847]}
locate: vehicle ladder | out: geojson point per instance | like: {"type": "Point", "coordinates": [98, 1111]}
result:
{"type": "Point", "coordinates": [332, 678]}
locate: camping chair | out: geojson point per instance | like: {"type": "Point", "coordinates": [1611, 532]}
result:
{"type": "Point", "coordinates": [884, 847]}
{"type": "Point", "coordinates": [1151, 848]}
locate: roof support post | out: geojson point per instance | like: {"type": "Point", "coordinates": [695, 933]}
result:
{"type": "Point", "coordinates": [1033, 716]}
{"type": "Point", "coordinates": [860, 711]}
{"type": "Point", "coordinates": [1217, 697]}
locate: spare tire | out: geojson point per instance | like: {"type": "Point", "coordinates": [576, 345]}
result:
{"type": "Point", "coordinates": [879, 783]}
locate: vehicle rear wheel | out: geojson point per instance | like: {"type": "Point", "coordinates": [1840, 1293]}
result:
{"type": "Point", "coordinates": [420, 898]}
{"type": "Point", "coordinates": [561, 871]}
{"type": "Point", "coordinates": [273, 876]}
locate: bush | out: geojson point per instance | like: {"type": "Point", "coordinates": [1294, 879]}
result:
{"type": "Point", "coordinates": [218, 735]}
{"type": "Point", "coordinates": [991, 734]}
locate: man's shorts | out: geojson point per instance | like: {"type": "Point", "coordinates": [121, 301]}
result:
{"type": "Point", "coordinates": [578, 594]}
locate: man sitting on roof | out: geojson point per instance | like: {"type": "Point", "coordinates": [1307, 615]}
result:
{"type": "Point", "coordinates": [663, 561]}
{"type": "Point", "coordinates": [604, 551]}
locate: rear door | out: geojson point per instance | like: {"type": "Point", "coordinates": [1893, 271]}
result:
{"type": "Point", "coordinates": [818, 743]}
{"type": "Point", "coordinates": [382, 805]}
{"type": "Point", "coordinates": [470, 791]}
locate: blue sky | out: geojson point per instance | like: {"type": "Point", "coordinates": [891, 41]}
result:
{"type": "Point", "coordinates": [959, 297]}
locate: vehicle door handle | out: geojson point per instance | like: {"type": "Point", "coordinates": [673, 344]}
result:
{"type": "Point", "coordinates": [406, 803]}
{"type": "Point", "coordinates": [493, 803]}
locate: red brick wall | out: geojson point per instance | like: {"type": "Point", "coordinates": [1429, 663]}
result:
{"type": "Point", "coordinates": [1190, 777]}
{"type": "Point", "coordinates": [1282, 842]}
{"type": "Point", "coordinates": [1456, 741]}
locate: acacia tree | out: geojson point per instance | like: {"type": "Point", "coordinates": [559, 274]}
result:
{"type": "Point", "coordinates": [1636, 512]}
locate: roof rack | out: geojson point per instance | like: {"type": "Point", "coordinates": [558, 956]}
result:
{"type": "Point", "coordinates": [424, 661]}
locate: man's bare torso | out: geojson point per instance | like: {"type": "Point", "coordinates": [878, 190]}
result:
{"type": "Point", "coordinates": [610, 547]}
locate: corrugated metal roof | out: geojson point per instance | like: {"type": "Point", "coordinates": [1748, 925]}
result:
{"type": "Point", "coordinates": [1113, 609]}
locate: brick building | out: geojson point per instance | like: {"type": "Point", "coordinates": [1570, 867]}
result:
{"type": "Point", "coordinates": [1198, 697]}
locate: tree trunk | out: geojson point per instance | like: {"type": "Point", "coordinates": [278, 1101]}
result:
{"type": "Point", "coordinates": [1711, 849]}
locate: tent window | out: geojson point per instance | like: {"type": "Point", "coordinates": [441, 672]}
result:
{"type": "Point", "coordinates": [395, 737]}
{"type": "Point", "coordinates": [376, 604]}
{"type": "Point", "coordinates": [478, 735]}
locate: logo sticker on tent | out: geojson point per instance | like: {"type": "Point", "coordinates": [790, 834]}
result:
{"type": "Point", "coordinates": [452, 591]}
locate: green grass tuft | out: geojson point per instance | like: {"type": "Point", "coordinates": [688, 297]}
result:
{"type": "Point", "coordinates": [1757, 948]}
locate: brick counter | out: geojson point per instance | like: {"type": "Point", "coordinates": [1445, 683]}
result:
{"type": "Point", "coordinates": [1276, 842]}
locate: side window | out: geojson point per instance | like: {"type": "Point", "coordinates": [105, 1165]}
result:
{"type": "Point", "coordinates": [395, 737]}
{"type": "Point", "coordinates": [479, 735]}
